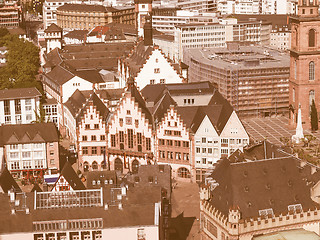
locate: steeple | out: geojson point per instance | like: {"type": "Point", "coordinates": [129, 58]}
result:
{"type": "Point", "coordinates": [308, 8]}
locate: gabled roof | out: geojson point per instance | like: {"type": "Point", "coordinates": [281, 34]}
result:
{"type": "Point", "coordinates": [257, 185]}
{"type": "Point", "coordinates": [36, 188]}
{"type": "Point", "coordinates": [92, 75]}
{"type": "Point", "coordinates": [193, 116]}
{"type": "Point", "coordinates": [79, 101]}
{"type": "Point", "coordinates": [60, 75]}
{"type": "Point", "coordinates": [7, 182]}
{"type": "Point", "coordinates": [138, 58]}
{"type": "Point", "coordinates": [53, 28]}
{"type": "Point", "coordinates": [140, 101]}
{"type": "Point", "coordinates": [226, 111]}
{"type": "Point", "coordinates": [77, 34]}
{"type": "Point", "coordinates": [162, 106]}
{"type": "Point", "coordinates": [71, 177]}
{"type": "Point", "coordinates": [17, 93]}
{"type": "Point", "coordinates": [28, 133]}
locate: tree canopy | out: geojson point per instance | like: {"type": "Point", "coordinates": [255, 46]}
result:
{"type": "Point", "coordinates": [22, 63]}
{"type": "Point", "coordinates": [314, 117]}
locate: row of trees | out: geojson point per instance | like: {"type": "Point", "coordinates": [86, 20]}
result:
{"type": "Point", "coordinates": [22, 62]}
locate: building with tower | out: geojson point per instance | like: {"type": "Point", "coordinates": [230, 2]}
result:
{"type": "Point", "coordinates": [304, 60]}
{"type": "Point", "coordinates": [53, 37]}
{"type": "Point", "coordinates": [143, 8]}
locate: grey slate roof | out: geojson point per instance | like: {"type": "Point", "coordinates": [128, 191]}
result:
{"type": "Point", "coordinates": [17, 93]}
{"type": "Point", "coordinates": [7, 182]}
{"type": "Point", "coordinates": [72, 178]}
{"type": "Point", "coordinates": [28, 133]}
{"type": "Point", "coordinates": [257, 185]}
{"type": "Point", "coordinates": [79, 100]}
{"type": "Point", "coordinates": [53, 28]}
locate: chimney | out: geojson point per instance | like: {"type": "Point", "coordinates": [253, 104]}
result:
{"type": "Point", "coordinates": [148, 31]}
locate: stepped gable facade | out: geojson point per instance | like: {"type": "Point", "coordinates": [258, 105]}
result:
{"type": "Point", "coordinates": [130, 133]}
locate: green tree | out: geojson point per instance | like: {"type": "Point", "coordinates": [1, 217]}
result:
{"type": "Point", "coordinates": [22, 64]}
{"type": "Point", "coordinates": [314, 117]}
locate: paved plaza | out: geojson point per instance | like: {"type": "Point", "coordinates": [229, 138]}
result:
{"type": "Point", "coordinates": [272, 129]}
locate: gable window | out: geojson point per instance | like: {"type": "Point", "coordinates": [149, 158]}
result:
{"type": "Point", "coordinates": [157, 70]}
{"type": "Point", "coordinates": [152, 81]}
{"type": "Point", "coordinates": [162, 81]}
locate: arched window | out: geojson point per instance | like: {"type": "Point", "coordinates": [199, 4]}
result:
{"type": "Point", "coordinates": [183, 172]}
{"type": "Point", "coordinates": [95, 165]}
{"type": "Point", "coordinates": [312, 38]}
{"type": "Point", "coordinates": [311, 70]}
{"type": "Point", "coordinates": [118, 165]}
{"type": "Point", "coordinates": [135, 166]}
{"type": "Point", "coordinates": [85, 166]}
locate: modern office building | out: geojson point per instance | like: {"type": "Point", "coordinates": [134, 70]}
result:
{"type": "Point", "coordinates": [254, 79]}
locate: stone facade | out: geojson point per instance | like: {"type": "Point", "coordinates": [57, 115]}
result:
{"type": "Point", "coordinates": [304, 60]}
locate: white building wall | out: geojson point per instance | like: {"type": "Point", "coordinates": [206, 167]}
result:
{"type": "Point", "coordinates": [72, 85]}
{"type": "Point", "coordinates": [236, 131]}
{"type": "Point", "coordinates": [206, 138]}
{"type": "Point", "coordinates": [149, 72]}
{"type": "Point", "coordinates": [131, 233]}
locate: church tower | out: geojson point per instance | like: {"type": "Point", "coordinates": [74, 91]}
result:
{"type": "Point", "coordinates": [143, 8]}
{"type": "Point", "coordinates": [304, 82]}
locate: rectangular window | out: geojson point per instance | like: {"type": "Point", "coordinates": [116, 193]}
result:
{"type": "Point", "coordinates": [17, 106]}
{"type": "Point", "coordinates": [84, 150]}
{"type": "Point", "coordinates": [157, 70]}
{"type": "Point", "coordinates": [148, 144]}
{"type": "Point", "coordinates": [185, 144]}
{"type": "Point", "coordinates": [204, 161]}
{"type": "Point", "coordinates": [130, 138]}
{"type": "Point", "coordinates": [102, 137]}
{"type": "Point", "coordinates": [87, 126]}
{"type": "Point", "coordinates": [113, 140]}
{"type": "Point", "coordinates": [204, 140]}
{"type": "Point", "coordinates": [93, 137]}
{"type": "Point", "coordinates": [121, 122]}
{"type": "Point", "coordinates": [198, 150]}
{"type": "Point", "coordinates": [177, 143]}
{"type": "Point", "coordinates": [139, 138]}
{"type": "Point", "coordinates": [204, 150]}
{"type": "Point", "coordinates": [6, 107]}
{"type": "Point", "coordinates": [84, 138]}
{"type": "Point", "coordinates": [121, 136]}
{"type": "Point", "coordinates": [94, 150]}
{"type": "Point", "coordinates": [102, 150]}
{"type": "Point", "coordinates": [96, 126]}
{"type": "Point", "coordinates": [186, 156]}
{"type": "Point", "coordinates": [210, 150]}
